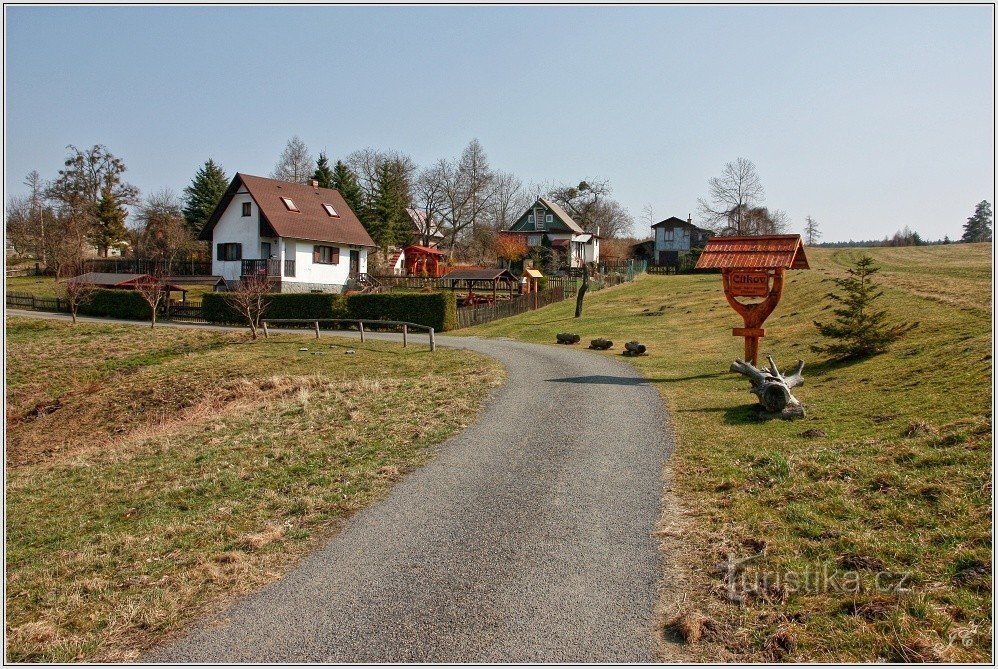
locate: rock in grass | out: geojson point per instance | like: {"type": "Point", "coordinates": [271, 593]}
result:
{"type": "Point", "coordinates": [567, 338]}
{"type": "Point", "coordinates": [601, 344]}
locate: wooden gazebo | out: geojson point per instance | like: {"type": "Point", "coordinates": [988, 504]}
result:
{"type": "Point", "coordinates": [482, 278]}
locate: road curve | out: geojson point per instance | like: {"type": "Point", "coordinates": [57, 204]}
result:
{"type": "Point", "coordinates": [526, 539]}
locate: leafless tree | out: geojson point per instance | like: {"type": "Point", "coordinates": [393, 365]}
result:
{"type": "Point", "coordinates": [75, 293]}
{"type": "Point", "coordinates": [509, 201]}
{"type": "Point", "coordinates": [590, 204]}
{"type": "Point", "coordinates": [648, 215]}
{"type": "Point", "coordinates": [164, 234]}
{"type": "Point", "coordinates": [154, 291]}
{"type": "Point", "coordinates": [36, 199]}
{"type": "Point", "coordinates": [467, 187]}
{"type": "Point", "coordinates": [296, 163]}
{"type": "Point", "coordinates": [811, 232]}
{"type": "Point", "coordinates": [731, 196]}
{"type": "Point", "coordinates": [428, 192]}
{"type": "Point", "coordinates": [249, 298]}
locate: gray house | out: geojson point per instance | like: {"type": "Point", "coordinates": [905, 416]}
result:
{"type": "Point", "coordinates": [674, 236]}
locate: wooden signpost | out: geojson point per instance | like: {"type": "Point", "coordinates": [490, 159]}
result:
{"type": "Point", "coordinates": [752, 267]}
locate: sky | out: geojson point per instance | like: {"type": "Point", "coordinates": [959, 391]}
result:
{"type": "Point", "coordinates": [866, 118]}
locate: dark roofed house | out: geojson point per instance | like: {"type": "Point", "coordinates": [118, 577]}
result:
{"type": "Point", "coordinates": [674, 236]}
{"type": "Point", "coordinates": [547, 218]}
{"type": "Point", "coordinates": [303, 238]}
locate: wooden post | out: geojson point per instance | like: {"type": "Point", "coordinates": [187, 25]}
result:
{"type": "Point", "coordinates": [405, 335]}
{"type": "Point", "coordinates": [266, 334]}
{"type": "Point", "coordinates": [361, 323]}
{"type": "Point", "coordinates": [317, 329]}
{"type": "Point", "coordinates": [433, 344]}
{"type": "Point", "coordinates": [754, 315]}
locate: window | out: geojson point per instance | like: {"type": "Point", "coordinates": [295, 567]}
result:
{"type": "Point", "coordinates": [669, 234]}
{"type": "Point", "coordinates": [290, 204]}
{"type": "Point", "coordinates": [329, 209]}
{"type": "Point", "coordinates": [325, 255]}
{"type": "Point", "coordinates": [530, 218]}
{"type": "Point", "coordinates": [549, 218]}
{"type": "Point", "coordinates": [230, 251]}
{"type": "Point", "coordinates": [247, 209]}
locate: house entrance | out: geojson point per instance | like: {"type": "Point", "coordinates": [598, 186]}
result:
{"type": "Point", "coordinates": [354, 262]}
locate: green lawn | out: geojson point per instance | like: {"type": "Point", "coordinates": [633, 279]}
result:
{"type": "Point", "coordinates": [154, 474]}
{"type": "Point", "coordinates": [890, 473]}
{"type": "Point", "coordinates": [46, 286]}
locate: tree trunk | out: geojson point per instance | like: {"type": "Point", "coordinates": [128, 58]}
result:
{"type": "Point", "coordinates": [771, 387]}
{"type": "Point", "coordinates": [582, 290]}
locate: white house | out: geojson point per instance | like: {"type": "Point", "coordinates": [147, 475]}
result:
{"type": "Point", "coordinates": [545, 218]}
{"type": "Point", "coordinates": [302, 237]}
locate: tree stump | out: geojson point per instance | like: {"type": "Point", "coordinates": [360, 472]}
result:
{"type": "Point", "coordinates": [632, 348]}
{"type": "Point", "coordinates": [601, 344]}
{"type": "Point", "coordinates": [772, 388]}
{"type": "Point", "coordinates": [567, 338]}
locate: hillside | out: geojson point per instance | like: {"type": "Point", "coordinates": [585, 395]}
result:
{"type": "Point", "coordinates": [886, 482]}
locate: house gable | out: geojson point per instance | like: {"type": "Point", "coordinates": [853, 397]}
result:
{"type": "Point", "coordinates": [556, 220]}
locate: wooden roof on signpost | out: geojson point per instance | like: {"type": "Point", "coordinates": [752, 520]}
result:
{"type": "Point", "coordinates": [763, 252]}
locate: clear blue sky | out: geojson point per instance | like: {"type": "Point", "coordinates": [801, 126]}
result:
{"type": "Point", "coordinates": [867, 118]}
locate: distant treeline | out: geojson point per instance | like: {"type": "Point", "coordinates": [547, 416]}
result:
{"type": "Point", "coordinates": [906, 237]}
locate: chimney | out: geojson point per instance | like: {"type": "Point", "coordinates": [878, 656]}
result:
{"type": "Point", "coordinates": [315, 184]}
{"type": "Point", "coordinates": [689, 218]}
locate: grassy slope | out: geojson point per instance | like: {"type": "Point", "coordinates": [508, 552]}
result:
{"type": "Point", "coordinates": [865, 496]}
{"type": "Point", "coordinates": [182, 467]}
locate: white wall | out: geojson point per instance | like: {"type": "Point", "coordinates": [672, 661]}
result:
{"type": "Point", "coordinates": [308, 272]}
{"type": "Point", "coordinates": [231, 228]}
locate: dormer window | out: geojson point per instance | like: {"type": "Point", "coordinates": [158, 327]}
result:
{"type": "Point", "coordinates": [329, 209]}
{"type": "Point", "coordinates": [290, 204]}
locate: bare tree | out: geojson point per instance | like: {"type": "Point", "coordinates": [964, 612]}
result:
{"type": "Point", "coordinates": [428, 192]}
{"type": "Point", "coordinates": [648, 215]}
{"type": "Point", "coordinates": [467, 188]}
{"type": "Point", "coordinates": [295, 163]}
{"type": "Point", "coordinates": [37, 202]}
{"type": "Point", "coordinates": [76, 293]}
{"type": "Point", "coordinates": [154, 291]}
{"type": "Point", "coordinates": [164, 234]}
{"type": "Point", "coordinates": [249, 299]}
{"type": "Point", "coordinates": [731, 196]}
{"type": "Point", "coordinates": [811, 232]}
{"type": "Point", "coordinates": [591, 206]}
{"type": "Point", "coordinates": [509, 200]}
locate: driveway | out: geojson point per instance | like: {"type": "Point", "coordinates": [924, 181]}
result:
{"type": "Point", "coordinates": [527, 539]}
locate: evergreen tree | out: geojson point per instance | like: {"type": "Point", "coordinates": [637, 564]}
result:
{"type": "Point", "coordinates": [109, 230]}
{"type": "Point", "coordinates": [387, 220]}
{"type": "Point", "coordinates": [978, 227]}
{"type": "Point", "coordinates": [345, 181]}
{"type": "Point", "coordinates": [859, 330]}
{"type": "Point", "coordinates": [323, 174]}
{"type": "Point", "coordinates": [203, 194]}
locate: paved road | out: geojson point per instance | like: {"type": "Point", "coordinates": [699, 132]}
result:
{"type": "Point", "coordinates": [527, 539]}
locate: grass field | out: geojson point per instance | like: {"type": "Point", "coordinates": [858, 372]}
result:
{"type": "Point", "coordinates": [152, 475]}
{"type": "Point", "coordinates": [889, 474]}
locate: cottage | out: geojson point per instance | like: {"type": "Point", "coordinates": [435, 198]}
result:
{"type": "Point", "coordinates": [120, 281]}
{"type": "Point", "coordinates": [545, 218]}
{"type": "Point", "coordinates": [303, 238]}
{"type": "Point", "coordinates": [425, 232]}
{"type": "Point", "coordinates": [674, 236]}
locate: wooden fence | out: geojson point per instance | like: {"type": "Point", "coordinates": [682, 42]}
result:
{"type": "Point", "coordinates": [187, 312]}
{"type": "Point", "coordinates": [174, 268]}
{"type": "Point", "coordinates": [468, 316]}
{"type": "Point", "coordinates": [18, 300]}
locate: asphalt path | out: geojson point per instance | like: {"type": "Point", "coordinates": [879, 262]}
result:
{"type": "Point", "coordinates": [528, 538]}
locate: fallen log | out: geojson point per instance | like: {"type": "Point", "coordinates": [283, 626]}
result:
{"type": "Point", "coordinates": [634, 348]}
{"type": "Point", "coordinates": [600, 344]}
{"type": "Point", "coordinates": [567, 338]}
{"type": "Point", "coordinates": [772, 387]}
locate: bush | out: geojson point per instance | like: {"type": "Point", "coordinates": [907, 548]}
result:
{"type": "Point", "coordinates": [116, 304]}
{"type": "Point", "coordinates": [280, 305]}
{"type": "Point", "coordinates": [436, 310]}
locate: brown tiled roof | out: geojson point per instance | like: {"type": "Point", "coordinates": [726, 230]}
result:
{"type": "Point", "coordinates": [310, 222]}
{"type": "Point", "coordinates": [117, 280]}
{"type": "Point", "coordinates": [764, 252]}
{"type": "Point", "coordinates": [480, 274]}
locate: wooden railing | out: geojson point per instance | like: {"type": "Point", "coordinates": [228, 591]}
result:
{"type": "Point", "coordinates": [268, 267]}
{"type": "Point", "coordinates": [360, 322]}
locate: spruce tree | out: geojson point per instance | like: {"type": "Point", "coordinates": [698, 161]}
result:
{"type": "Point", "coordinates": [109, 230]}
{"type": "Point", "coordinates": [345, 181]}
{"type": "Point", "coordinates": [203, 194]}
{"type": "Point", "coordinates": [859, 330]}
{"type": "Point", "coordinates": [387, 220]}
{"type": "Point", "coordinates": [323, 174]}
{"type": "Point", "coordinates": [978, 227]}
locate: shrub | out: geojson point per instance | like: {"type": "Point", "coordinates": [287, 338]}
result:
{"type": "Point", "coordinates": [116, 304]}
{"type": "Point", "coordinates": [215, 309]}
{"type": "Point", "coordinates": [436, 310]}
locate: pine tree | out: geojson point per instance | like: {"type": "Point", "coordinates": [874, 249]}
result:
{"type": "Point", "coordinates": [203, 194]}
{"type": "Point", "coordinates": [323, 174]}
{"type": "Point", "coordinates": [978, 227]}
{"type": "Point", "coordinates": [387, 220]}
{"type": "Point", "coordinates": [345, 181]}
{"type": "Point", "coordinates": [109, 230]}
{"type": "Point", "coordinates": [859, 331]}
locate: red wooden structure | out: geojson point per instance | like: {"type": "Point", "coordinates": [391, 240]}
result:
{"type": "Point", "coordinates": [423, 261]}
{"type": "Point", "coordinates": [752, 267]}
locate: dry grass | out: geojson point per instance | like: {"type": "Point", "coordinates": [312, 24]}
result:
{"type": "Point", "coordinates": [185, 468]}
{"type": "Point", "coordinates": [891, 470]}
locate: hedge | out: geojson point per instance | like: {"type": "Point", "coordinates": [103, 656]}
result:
{"type": "Point", "coordinates": [214, 308]}
{"type": "Point", "coordinates": [116, 304]}
{"type": "Point", "coordinates": [436, 310]}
